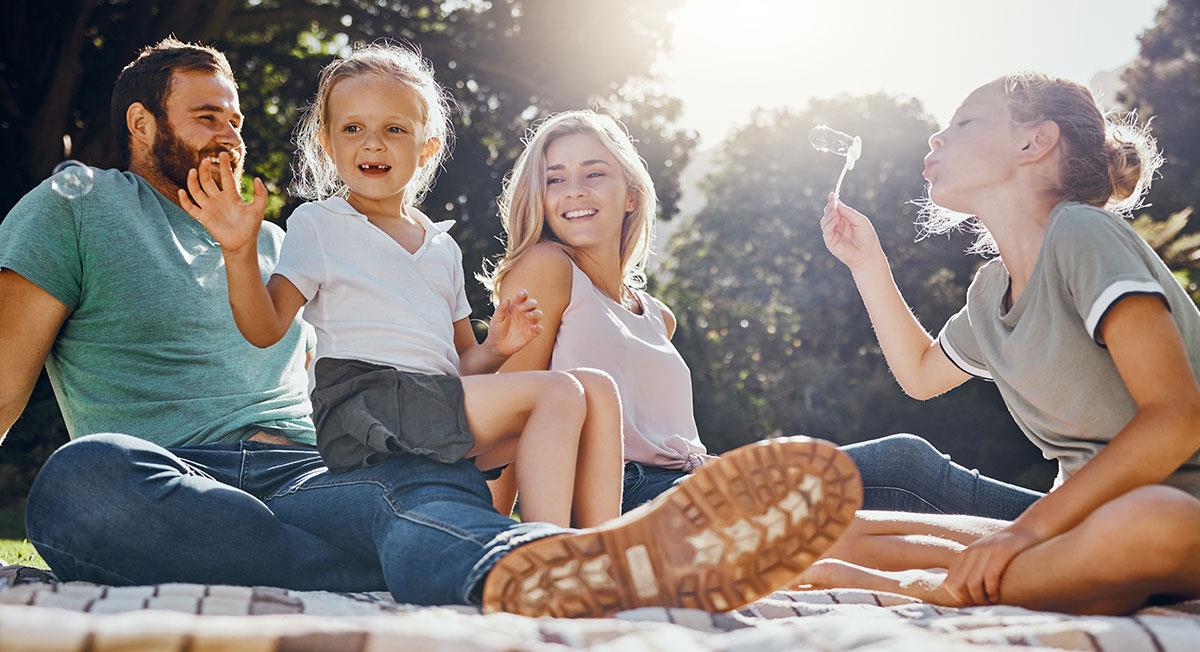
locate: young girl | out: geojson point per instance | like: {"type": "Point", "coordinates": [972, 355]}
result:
{"type": "Point", "coordinates": [1091, 341]}
{"type": "Point", "coordinates": [579, 214]}
{"type": "Point", "coordinates": [383, 287]}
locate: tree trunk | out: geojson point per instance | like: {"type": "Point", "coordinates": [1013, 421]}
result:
{"type": "Point", "coordinates": [53, 116]}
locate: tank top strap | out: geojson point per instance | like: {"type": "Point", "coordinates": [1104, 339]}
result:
{"type": "Point", "coordinates": [580, 283]}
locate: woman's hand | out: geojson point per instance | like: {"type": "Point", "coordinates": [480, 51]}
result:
{"type": "Point", "coordinates": [975, 575]}
{"type": "Point", "coordinates": [233, 222]}
{"type": "Point", "coordinates": [516, 322]}
{"type": "Point", "coordinates": [849, 235]}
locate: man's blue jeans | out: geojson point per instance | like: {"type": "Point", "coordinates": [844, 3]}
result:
{"type": "Point", "coordinates": [115, 509]}
{"type": "Point", "coordinates": [905, 473]}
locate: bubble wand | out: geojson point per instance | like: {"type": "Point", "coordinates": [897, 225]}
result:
{"type": "Point", "coordinates": [827, 139]}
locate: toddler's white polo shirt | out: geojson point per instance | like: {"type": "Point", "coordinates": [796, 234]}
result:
{"type": "Point", "coordinates": [369, 298]}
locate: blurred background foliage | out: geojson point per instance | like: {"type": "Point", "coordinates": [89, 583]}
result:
{"type": "Point", "coordinates": [769, 322]}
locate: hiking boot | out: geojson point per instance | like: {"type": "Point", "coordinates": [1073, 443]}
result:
{"type": "Point", "coordinates": [739, 528]}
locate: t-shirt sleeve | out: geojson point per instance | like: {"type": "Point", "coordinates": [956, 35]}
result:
{"type": "Point", "coordinates": [462, 307]}
{"type": "Point", "coordinates": [39, 239]}
{"type": "Point", "coordinates": [310, 337]}
{"type": "Point", "coordinates": [1101, 260]}
{"type": "Point", "coordinates": [958, 342]}
{"type": "Point", "coordinates": [301, 260]}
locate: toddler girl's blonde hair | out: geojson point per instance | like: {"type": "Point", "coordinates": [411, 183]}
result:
{"type": "Point", "coordinates": [316, 177]}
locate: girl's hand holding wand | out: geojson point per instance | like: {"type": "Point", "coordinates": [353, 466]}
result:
{"type": "Point", "coordinates": [849, 235]}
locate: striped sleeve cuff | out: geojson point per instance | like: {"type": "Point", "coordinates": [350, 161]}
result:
{"type": "Point", "coordinates": [1110, 296]}
{"type": "Point", "coordinates": [959, 361]}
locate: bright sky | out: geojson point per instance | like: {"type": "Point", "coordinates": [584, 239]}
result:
{"type": "Point", "coordinates": [731, 57]}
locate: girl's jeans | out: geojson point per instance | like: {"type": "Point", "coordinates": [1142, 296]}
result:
{"type": "Point", "coordinates": [905, 473]}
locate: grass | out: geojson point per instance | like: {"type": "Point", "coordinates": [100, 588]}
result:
{"type": "Point", "coordinates": [14, 548]}
{"type": "Point", "coordinates": [20, 551]}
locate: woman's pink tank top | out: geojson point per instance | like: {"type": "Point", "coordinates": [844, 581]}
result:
{"type": "Point", "coordinates": [654, 382]}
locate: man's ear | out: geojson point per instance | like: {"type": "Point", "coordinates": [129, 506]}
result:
{"type": "Point", "coordinates": [141, 124]}
{"type": "Point", "coordinates": [1039, 141]}
{"type": "Point", "coordinates": [430, 148]}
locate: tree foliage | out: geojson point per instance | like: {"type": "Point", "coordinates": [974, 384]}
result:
{"type": "Point", "coordinates": [1164, 82]}
{"type": "Point", "coordinates": [770, 322]}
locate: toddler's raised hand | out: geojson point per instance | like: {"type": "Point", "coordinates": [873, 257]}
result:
{"type": "Point", "coordinates": [234, 223]}
{"type": "Point", "coordinates": [516, 322]}
{"type": "Point", "coordinates": [849, 235]}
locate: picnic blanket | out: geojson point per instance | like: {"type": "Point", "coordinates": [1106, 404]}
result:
{"type": "Point", "coordinates": [37, 613]}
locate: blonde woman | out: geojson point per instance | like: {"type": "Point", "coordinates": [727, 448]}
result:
{"type": "Point", "coordinates": [579, 214]}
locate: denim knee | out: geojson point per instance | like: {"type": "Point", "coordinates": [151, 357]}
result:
{"type": "Point", "coordinates": [899, 460]}
{"type": "Point", "coordinates": [71, 470]}
{"type": "Point", "coordinates": [77, 477]}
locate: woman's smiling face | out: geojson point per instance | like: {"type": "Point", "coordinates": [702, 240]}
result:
{"type": "Point", "coordinates": [585, 193]}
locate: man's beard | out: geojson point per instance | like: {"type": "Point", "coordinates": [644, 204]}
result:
{"type": "Point", "coordinates": [174, 158]}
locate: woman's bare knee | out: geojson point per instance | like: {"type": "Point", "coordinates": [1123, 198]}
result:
{"type": "Point", "coordinates": [1155, 530]}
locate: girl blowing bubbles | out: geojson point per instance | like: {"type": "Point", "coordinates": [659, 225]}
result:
{"type": "Point", "coordinates": [1090, 340]}
{"type": "Point", "coordinates": [385, 293]}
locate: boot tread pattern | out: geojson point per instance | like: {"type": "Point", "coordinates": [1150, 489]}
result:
{"type": "Point", "coordinates": [735, 531]}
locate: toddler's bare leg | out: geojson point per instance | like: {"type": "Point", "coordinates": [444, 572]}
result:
{"type": "Point", "coordinates": [533, 418]}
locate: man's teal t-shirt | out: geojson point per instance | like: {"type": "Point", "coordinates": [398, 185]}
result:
{"type": "Point", "coordinates": [150, 348]}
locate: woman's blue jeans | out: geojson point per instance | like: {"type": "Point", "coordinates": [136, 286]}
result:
{"type": "Point", "coordinates": [644, 482]}
{"type": "Point", "coordinates": [905, 473]}
{"type": "Point", "coordinates": [115, 509]}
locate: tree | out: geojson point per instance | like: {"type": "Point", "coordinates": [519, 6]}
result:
{"type": "Point", "coordinates": [771, 324]}
{"type": "Point", "coordinates": [507, 63]}
{"type": "Point", "coordinates": [1164, 82]}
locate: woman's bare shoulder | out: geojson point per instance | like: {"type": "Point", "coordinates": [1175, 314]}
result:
{"type": "Point", "coordinates": [544, 271]}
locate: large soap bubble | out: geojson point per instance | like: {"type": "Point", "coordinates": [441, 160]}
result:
{"type": "Point", "coordinates": [828, 139]}
{"type": "Point", "coordinates": [72, 179]}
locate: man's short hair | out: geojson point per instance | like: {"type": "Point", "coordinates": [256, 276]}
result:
{"type": "Point", "coordinates": [147, 79]}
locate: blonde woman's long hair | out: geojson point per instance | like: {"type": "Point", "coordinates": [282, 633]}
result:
{"type": "Point", "coordinates": [521, 209]}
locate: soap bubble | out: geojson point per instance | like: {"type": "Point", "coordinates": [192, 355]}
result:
{"type": "Point", "coordinates": [828, 139]}
{"type": "Point", "coordinates": [72, 179]}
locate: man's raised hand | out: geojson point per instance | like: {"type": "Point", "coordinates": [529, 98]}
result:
{"type": "Point", "coordinates": [234, 223]}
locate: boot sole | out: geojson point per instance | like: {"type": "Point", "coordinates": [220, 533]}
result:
{"type": "Point", "coordinates": [740, 528]}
